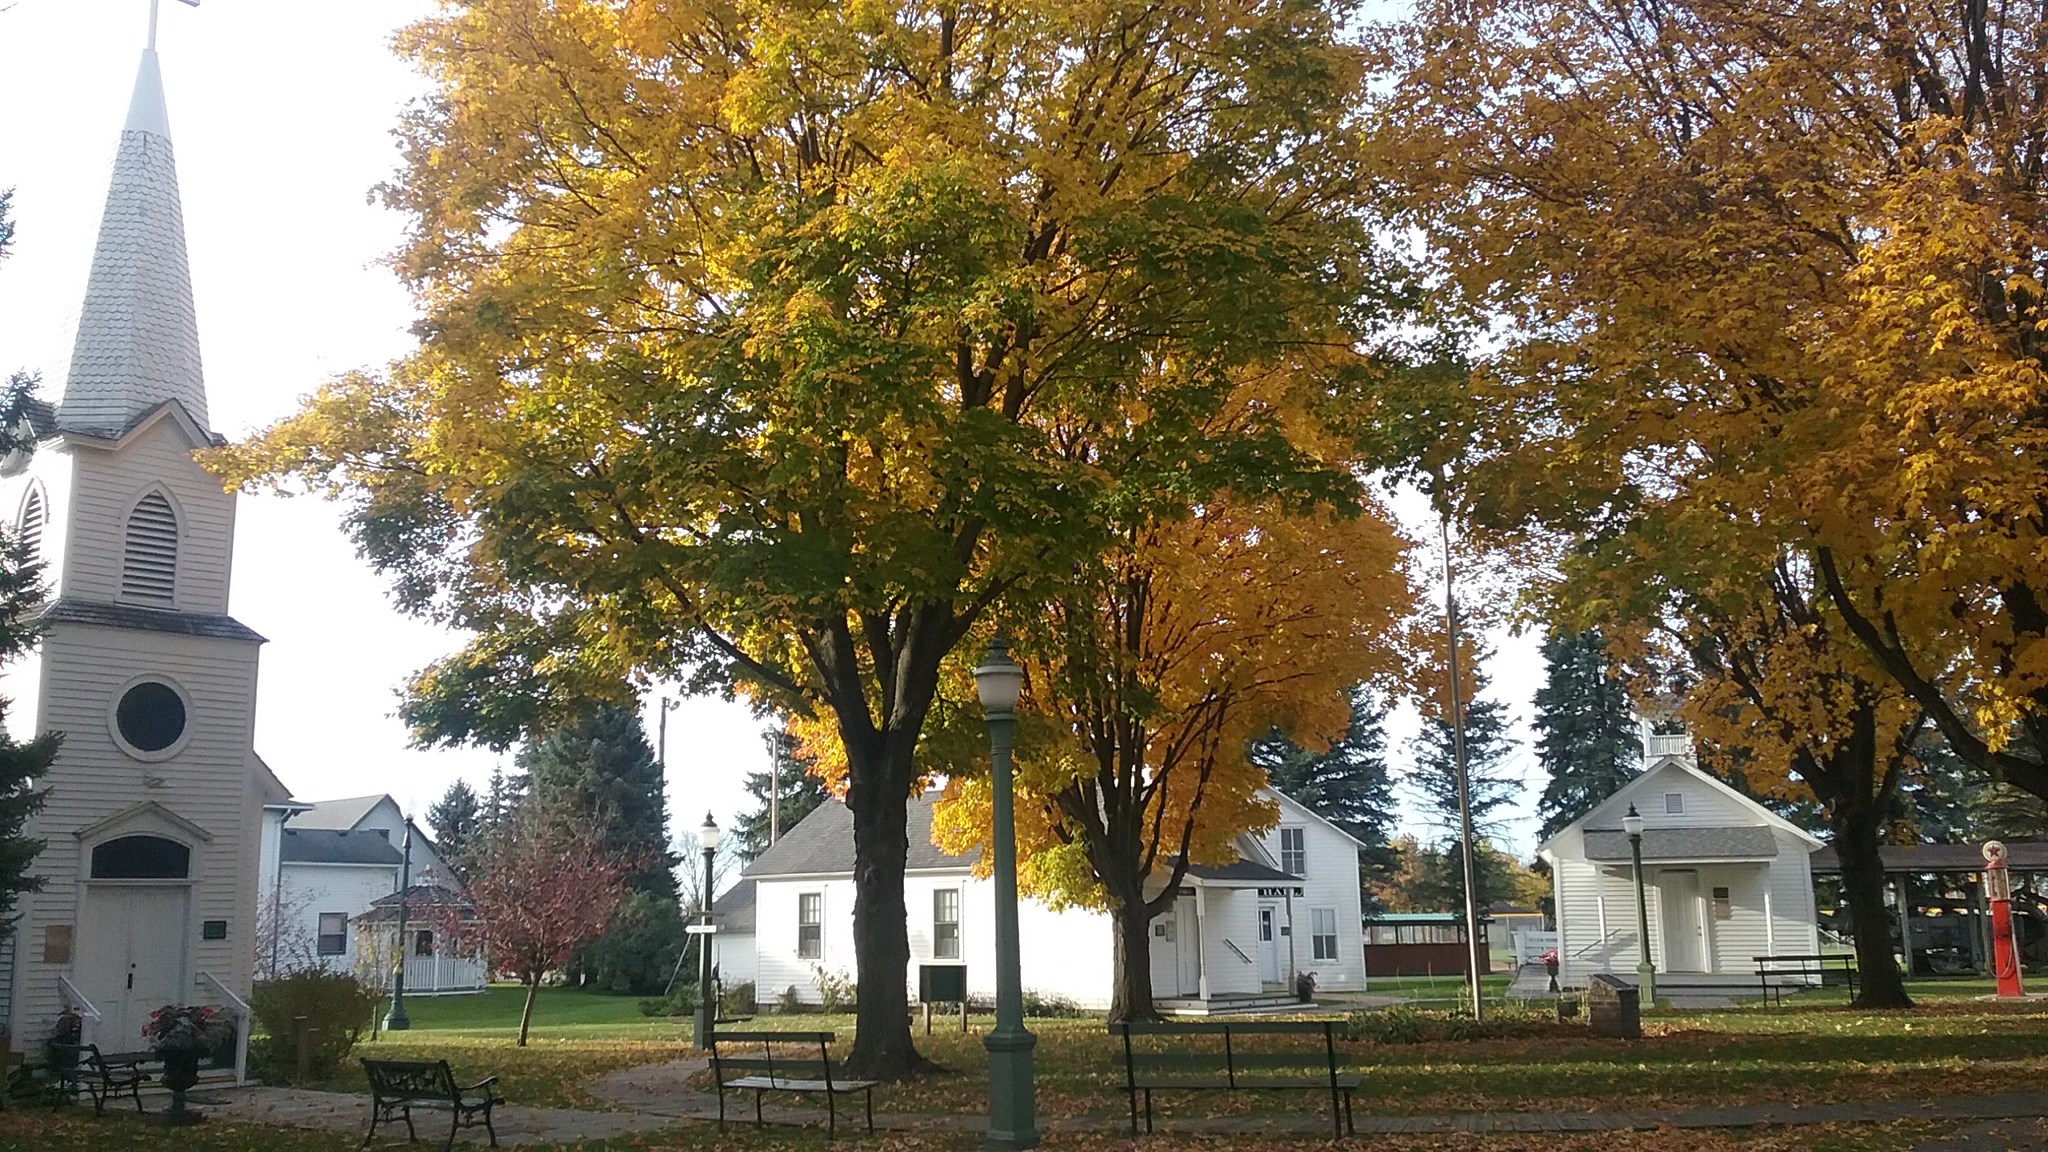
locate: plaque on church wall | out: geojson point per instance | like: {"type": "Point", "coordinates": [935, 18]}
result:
{"type": "Point", "coordinates": [57, 944]}
{"type": "Point", "coordinates": [213, 930]}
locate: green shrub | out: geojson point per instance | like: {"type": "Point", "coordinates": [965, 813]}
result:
{"type": "Point", "coordinates": [1049, 1005]}
{"type": "Point", "coordinates": [835, 989]}
{"type": "Point", "coordinates": [738, 999]}
{"type": "Point", "coordinates": [681, 1001]}
{"type": "Point", "coordinates": [336, 1006]}
{"type": "Point", "coordinates": [789, 1002]}
{"type": "Point", "coordinates": [1402, 1024]}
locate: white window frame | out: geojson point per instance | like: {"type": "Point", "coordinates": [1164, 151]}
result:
{"type": "Point", "coordinates": [321, 936]}
{"type": "Point", "coordinates": [1674, 803]}
{"type": "Point", "coordinates": [940, 951]}
{"type": "Point", "coordinates": [1323, 944]}
{"type": "Point", "coordinates": [816, 926]}
{"type": "Point", "coordinates": [1299, 851]}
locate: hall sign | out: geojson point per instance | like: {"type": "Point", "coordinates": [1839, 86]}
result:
{"type": "Point", "coordinates": [1279, 893]}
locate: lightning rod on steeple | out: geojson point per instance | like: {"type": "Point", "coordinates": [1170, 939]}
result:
{"type": "Point", "coordinates": [152, 20]}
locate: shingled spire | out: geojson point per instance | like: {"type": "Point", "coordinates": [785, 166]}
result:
{"type": "Point", "coordinates": [138, 339]}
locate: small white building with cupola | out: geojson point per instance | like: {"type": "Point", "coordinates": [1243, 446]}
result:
{"type": "Point", "coordinates": [153, 814]}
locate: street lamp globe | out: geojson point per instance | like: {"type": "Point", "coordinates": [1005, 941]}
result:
{"type": "Point", "coordinates": [707, 836]}
{"type": "Point", "coordinates": [1632, 823]}
{"type": "Point", "coordinates": [999, 680]}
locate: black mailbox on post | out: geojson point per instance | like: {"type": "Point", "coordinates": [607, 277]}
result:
{"type": "Point", "coordinates": [941, 983]}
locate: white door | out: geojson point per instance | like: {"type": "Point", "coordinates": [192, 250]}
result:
{"type": "Point", "coordinates": [1684, 930]}
{"type": "Point", "coordinates": [1269, 944]}
{"type": "Point", "coordinates": [1190, 951]}
{"type": "Point", "coordinates": [132, 959]}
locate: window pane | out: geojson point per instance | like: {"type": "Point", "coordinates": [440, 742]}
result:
{"type": "Point", "coordinates": [333, 933]}
{"type": "Point", "coordinates": [423, 943]}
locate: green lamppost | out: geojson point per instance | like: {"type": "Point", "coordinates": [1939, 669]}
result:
{"type": "Point", "coordinates": [396, 1020]}
{"type": "Point", "coordinates": [1646, 972]}
{"type": "Point", "coordinates": [1012, 1106]}
{"type": "Point", "coordinates": [707, 842]}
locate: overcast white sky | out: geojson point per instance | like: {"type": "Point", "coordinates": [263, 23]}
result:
{"type": "Point", "coordinates": [281, 115]}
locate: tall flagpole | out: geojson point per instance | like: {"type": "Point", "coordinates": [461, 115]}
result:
{"type": "Point", "coordinates": [1474, 949]}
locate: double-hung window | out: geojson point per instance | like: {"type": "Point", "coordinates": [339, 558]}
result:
{"type": "Point", "coordinates": [423, 942]}
{"type": "Point", "coordinates": [333, 933]}
{"type": "Point", "coordinates": [1324, 933]}
{"type": "Point", "coordinates": [1294, 851]}
{"type": "Point", "coordinates": [946, 924]}
{"type": "Point", "coordinates": [810, 925]}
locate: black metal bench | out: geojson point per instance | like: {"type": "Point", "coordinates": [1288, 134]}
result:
{"type": "Point", "coordinates": [399, 1086]}
{"type": "Point", "coordinates": [1212, 1056]}
{"type": "Point", "coordinates": [76, 1068]}
{"type": "Point", "coordinates": [1776, 973]}
{"type": "Point", "coordinates": [782, 1062]}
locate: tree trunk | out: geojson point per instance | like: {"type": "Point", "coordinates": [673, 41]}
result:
{"type": "Point", "coordinates": [882, 1048]}
{"type": "Point", "coordinates": [1856, 842]}
{"type": "Point", "coordinates": [526, 1013]}
{"type": "Point", "coordinates": [1131, 997]}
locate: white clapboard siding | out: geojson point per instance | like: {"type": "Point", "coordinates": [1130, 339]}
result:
{"type": "Point", "coordinates": [110, 483]}
{"type": "Point", "coordinates": [1331, 881]}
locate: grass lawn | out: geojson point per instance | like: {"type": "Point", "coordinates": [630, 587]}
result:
{"type": "Point", "coordinates": [1801, 1053]}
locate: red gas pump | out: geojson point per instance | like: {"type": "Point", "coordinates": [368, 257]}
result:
{"type": "Point", "coordinates": [2005, 948]}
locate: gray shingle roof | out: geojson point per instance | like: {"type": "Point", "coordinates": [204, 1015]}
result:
{"type": "Point", "coordinates": [2023, 856]}
{"type": "Point", "coordinates": [734, 911]}
{"type": "Point", "coordinates": [337, 815]}
{"type": "Point", "coordinates": [823, 844]}
{"type": "Point", "coordinates": [1739, 843]}
{"type": "Point", "coordinates": [149, 620]}
{"type": "Point", "coordinates": [1242, 870]}
{"type": "Point", "coordinates": [331, 846]}
{"type": "Point", "coordinates": [138, 335]}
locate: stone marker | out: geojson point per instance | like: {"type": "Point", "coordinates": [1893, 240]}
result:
{"type": "Point", "coordinates": [1613, 1008]}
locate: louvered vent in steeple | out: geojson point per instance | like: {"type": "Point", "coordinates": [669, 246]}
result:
{"type": "Point", "coordinates": [149, 568]}
{"type": "Point", "coordinates": [32, 516]}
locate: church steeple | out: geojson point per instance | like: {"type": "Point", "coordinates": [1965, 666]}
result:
{"type": "Point", "coordinates": [138, 337]}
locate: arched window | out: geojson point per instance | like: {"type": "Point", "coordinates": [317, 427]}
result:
{"type": "Point", "coordinates": [33, 514]}
{"type": "Point", "coordinates": [141, 858]}
{"type": "Point", "coordinates": [149, 568]}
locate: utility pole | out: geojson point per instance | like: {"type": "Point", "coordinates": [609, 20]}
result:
{"type": "Point", "coordinates": [1474, 961]}
{"type": "Point", "coordinates": [776, 743]}
{"type": "Point", "coordinates": [661, 726]}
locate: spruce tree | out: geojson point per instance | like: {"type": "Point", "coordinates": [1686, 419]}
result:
{"type": "Point", "coordinates": [601, 772]}
{"type": "Point", "coordinates": [1588, 739]}
{"type": "Point", "coordinates": [21, 593]}
{"type": "Point", "coordinates": [801, 791]}
{"type": "Point", "coordinates": [1433, 778]}
{"type": "Point", "coordinates": [1349, 785]}
{"type": "Point", "coordinates": [455, 819]}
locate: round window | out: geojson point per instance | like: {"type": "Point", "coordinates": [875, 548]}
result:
{"type": "Point", "coordinates": [150, 716]}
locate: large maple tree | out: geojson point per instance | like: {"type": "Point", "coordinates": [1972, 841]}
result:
{"type": "Point", "coordinates": [1784, 263]}
{"type": "Point", "coordinates": [755, 337]}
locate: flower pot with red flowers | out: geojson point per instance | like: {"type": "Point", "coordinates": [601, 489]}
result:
{"type": "Point", "coordinates": [179, 1035]}
{"type": "Point", "coordinates": [1550, 966]}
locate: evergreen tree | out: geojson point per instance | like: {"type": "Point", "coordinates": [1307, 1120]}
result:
{"type": "Point", "coordinates": [802, 792]}
{"type": "Point", "coordinates": [501, 800]}
{"type": "Point", "coordinates": [455, 820]}
{"type": "Point", "coordinates": [1349, 785]}
{"type": "Point", "coordinates": [601, 772]}
{"type": "Point", "coordinates": [21, 593]}
{"type": "Point", "coordinates": [1434, 775]}
{"type": "Point", "coordinates": [1587, 737]}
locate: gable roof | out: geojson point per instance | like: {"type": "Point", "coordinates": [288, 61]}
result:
{"type": "Point", "coordinates": [822, 844]}
{"type": "Point", "coordinates": [733, 912]}
{"type": "Point", "coordinates": [338, 815]}
{"type": "Point", "coordinates": [337, 846]}
{"type": "Point", "coordinates": [1607, 814]}
{"type": "Point", "coordinates": [1289, 802]}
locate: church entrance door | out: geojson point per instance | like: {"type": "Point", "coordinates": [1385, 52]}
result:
{"type": "Point", "coordinates": [133, 957]}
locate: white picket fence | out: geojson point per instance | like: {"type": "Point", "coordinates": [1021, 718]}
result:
{"type": "Point", "coordinates": [1530, 947]}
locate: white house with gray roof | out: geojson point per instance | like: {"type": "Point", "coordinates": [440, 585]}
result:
{"type": "Point", "coordinates": [1236, 936]}
{"type": "Point", "coordinates": [1725, 879]}
{"type": "Point", "coordinates": [331, 898]}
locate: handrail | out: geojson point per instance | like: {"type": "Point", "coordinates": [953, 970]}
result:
{"type": "Point", "coordinates": [1232, 945]}
{"type": "Point", "coordinates": [1629, 932]}
{"type": "Point", "coordinates": [87, 1014]}
{"type": "Point", "coordinates": [240, 1010]}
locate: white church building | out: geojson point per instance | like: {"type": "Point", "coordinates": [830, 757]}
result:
{"type": "Point", "coordinates": [154, 809]}
{"type": "Point", "coordinates": [1235, 936]}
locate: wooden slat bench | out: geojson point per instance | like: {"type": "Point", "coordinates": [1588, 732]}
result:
{"type": "Point", "coordinates": [83, 1067]}
{"type": "Point", "coordinates": [1233, 1056]}
{"type": "Point", "coordinates": [1775, 973]}
{"type": "Point", "coordinates": [399, 1086]}
{"type": "Point", "coordinates": [783, 1062]}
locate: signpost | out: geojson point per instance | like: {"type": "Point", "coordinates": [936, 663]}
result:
{"type": "Point", "coordinates": [2005, 948]}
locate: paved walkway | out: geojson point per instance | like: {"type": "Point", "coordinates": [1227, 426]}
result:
{"type": "Point", "coordinates": [656, 1096]}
